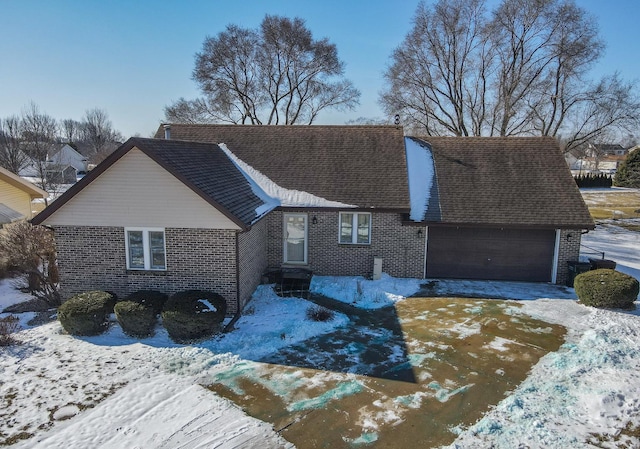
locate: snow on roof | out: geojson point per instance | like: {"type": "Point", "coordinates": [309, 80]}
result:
{"type": "Point", "coordinates": [274, 195]}
{"type": "Point", "coordinates": [420, 170]}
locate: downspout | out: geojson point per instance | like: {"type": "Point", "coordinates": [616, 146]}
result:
{"type": "Point", "coordinates": [424, 262]}
{"type": "Point", "coordinates": [556, 254]}
{"type": "Point", "coordinates": [238, 313]}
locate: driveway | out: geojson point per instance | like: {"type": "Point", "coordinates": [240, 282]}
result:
{"type": "Point", "coordinates": [403, 376]}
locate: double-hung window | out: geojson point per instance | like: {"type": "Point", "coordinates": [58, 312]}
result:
{"type": "Point", "coordinates": [355, 228]}
{"type": "Point", "coordinates": [145, 249]}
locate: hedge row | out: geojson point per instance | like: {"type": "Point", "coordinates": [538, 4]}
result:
{"type": "Point", "coordinates": [189, 315]}
{"type": "Point", "coordinates": [591, 180]}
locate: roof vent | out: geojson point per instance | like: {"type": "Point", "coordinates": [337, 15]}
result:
{"type": "Point", "coordinates": [167, 131]}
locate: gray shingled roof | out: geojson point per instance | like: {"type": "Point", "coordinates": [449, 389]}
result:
{"type": "Point", "coordinates": [7, 215]}
{"type": "Point", "coordinates": [363, 166]}
{"type": "Point", "coordinates": [203, 167]}
{"type": "Point", "coordinates": [511, 181]}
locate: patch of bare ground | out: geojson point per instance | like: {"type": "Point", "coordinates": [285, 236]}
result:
{"type": "Point", "coordinates": [443, 364]}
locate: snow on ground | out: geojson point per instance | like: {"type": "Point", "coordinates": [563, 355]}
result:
{"type": "Point", "coordinates": [10, 295]}
{"type": "Point", "coordinates": [618, 244]}
{"type": "Point", "coordinates": [364, 293]}
{"type": "Point", "coordinates": [590, 388]}
{"type": "Point", "coordinates": [114, 391]}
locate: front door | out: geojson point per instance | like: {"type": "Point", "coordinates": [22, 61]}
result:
{"type": "Point", "coordinates": [295, 238]}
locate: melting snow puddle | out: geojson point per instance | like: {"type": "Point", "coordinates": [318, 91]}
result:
{"type": "Point", "coordinates": [500, 344]}
{"type": "Point", "coordinates": [342, 390]}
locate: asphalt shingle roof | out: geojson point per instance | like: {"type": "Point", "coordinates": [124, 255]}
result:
{"type": "Point", "coordinates": [511, 181]}
{"type": "Point", "coordinates": [363, 166]}
{"type": "Point", "coordinates": [207, 169]}
{"type": "Point", "coordinates": [203, 167]}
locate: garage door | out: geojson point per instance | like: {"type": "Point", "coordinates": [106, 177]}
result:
{"type": "Point", "coordinates": [496, 254]}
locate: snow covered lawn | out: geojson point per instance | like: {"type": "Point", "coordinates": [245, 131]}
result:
{"type": "Point", "coordinates": [113, 391]}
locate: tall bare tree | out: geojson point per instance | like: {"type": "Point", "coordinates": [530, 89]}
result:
{"type": "Point", "coordinates": [438, 76]}
{"type": "Point", "coordinates": [96, 130]}
{"type": "Point", "coordinates": [12, 155]}
{"type": "Point", "coordinates": [277, 74]}
{"type": "Point", "coordinates": [39, 132]}
{"type": "Point", "coordinates": [71, 130]}
{"type": "Point", "coordinates": [521, 69]}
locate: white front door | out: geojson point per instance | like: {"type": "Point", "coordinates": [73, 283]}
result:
{"type": "Point", "coordinates": [295, 238]}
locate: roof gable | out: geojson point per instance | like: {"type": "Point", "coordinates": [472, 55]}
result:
{"type": "Point", "coordinates": [343, 164]}
{"type": "Point", "coordinates": [22, 184]}
{"type": "Point", "coordinates": [512, 181]}
{"type": "Point", "coordinates": [203, 168]}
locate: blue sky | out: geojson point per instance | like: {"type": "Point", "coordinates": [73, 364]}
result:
{"type": "Point", "coordinates": [132, 58]}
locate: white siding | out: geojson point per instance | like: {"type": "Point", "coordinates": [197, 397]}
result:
{"type": "Point", "coordinates": [136, 191]}
{"type": "Point", "coordinates": [16, 199]}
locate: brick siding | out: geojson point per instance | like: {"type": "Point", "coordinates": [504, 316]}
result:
{"type": "Point", "coordinates": [93, 258]}
{"type": "Point", "coordinates": [252, 256]}
{"type": "Point", "coordinates": [568, 250]}
{"type": "Point", "coordinates": [400, 247]}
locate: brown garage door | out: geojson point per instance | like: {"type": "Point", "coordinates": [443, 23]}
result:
{"type": "Point", "coordinates": [496, 254]}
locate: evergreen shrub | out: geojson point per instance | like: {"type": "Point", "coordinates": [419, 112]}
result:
{"type": "Point", "coordinates": [605, 288]}
{"type": "Point", "coordinates": [592, 180]}
{"type": "Point", "coordinates": [193, 315]}
{"type": "Point", "coordinates": [86, 313]}
{"type": "Point", "coordinates": [151, 298]}
{"type": "Point", "coordinates": [136, 319]}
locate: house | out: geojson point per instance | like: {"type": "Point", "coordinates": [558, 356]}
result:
{"type": "Point", "coordinates": [16, 196]}
{"type": "Point", "coordinates": [601, 158]}
{"type": "Point", "coordinates": [66, 155]}
{"type": "Point", "coordinates": [61, 173]}
{"type": "Point", "coordinates": [214, 206]}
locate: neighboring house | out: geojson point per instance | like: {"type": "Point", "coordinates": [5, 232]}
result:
{"type": "Point", "coordinates": [62, 164]}
{"type": "Point", "coordinates": [215, 206]}
{"type": "Point", "coordinates": [67, 155]}
{"type": "Point", "coordinates": [600, 158]}
{"type": "Point", "coordinates": [61, 174]}
{"type": "Point", "coordinates": [16, 196]}
{"type": "Point", "coordinates": [606, 149]}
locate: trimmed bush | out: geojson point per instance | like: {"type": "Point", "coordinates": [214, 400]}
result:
{"type": "Point", "coordinates": [151, 298]}
{"type": "Point", "coordinates": [86, 313]}
{"type": "Point", "coordinates": [136, 319]}
{"type": "Point", "coordinates": [606, 288]}
{"type": "Point", "coordinates": [193, 315]}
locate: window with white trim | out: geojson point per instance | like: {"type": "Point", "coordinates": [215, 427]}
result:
{"type": "Point", "coordinates": [145, 249]}
{"type": "Point", "coordinates": [355, 228]}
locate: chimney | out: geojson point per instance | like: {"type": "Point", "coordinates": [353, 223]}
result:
{"type": "Point", "coordinates": [167, 131]}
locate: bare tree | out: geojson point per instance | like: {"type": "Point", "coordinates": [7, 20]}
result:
{"type": "Point", "coordinates": [97, 130]}
{"type": "Point", "coordinates": [97, 134]}
{"type": "Point", "coordinates": [31, 249]}
{"type": "Point", "coordinates": [12, 156]}
{"type": "Point", "coordinates": [277, 74]}
{"type": "Point", "coordinates": [523, 69]}
{"type": "Point", "coordinates": [438, 76]}
{"type": "Point", "coordinates": [39, 132]}
{"type": "Point", "coordinates": [71, 130]}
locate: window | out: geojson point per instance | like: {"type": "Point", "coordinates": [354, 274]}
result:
{"type": "Point", "coordinates": [355, 228]}
{"type": "Point", "coordinates": [145, 249]}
